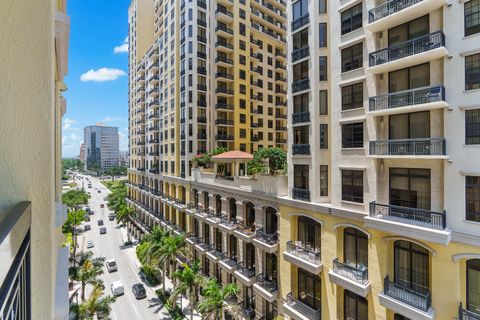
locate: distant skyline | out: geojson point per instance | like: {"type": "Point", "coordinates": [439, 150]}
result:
{"type": "Point", "coordinates": [98, 66]}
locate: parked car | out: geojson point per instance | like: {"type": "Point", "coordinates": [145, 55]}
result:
{"type": "Point", "coordinates": [111, 265]}
{"type": "Point", "coordinates": [139, 291]}
{"type": "Point", "coordinates": [100, 222]}
{"type": "Point", "coordinates": [103, 230]}
{"type": "Point", "coordinates": [86, 217]}
{"type": "Point", "coordinates": [117, 288]}
{"type": "Point", "coordinates": [87, 227]}
{"type": "Point", "coordinates": [99, 191]}
{"type": "Point", "coordinates": [111, 217]}
{"type": "Point", "coordinates": [90, 244]}
{"type": "Point", "coordinates": [102, 205]}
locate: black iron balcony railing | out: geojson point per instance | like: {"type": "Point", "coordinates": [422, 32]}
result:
{"type": "Point", "coordinates": [407, 98]}
{"type": "Point", "coordinates": [409, 147]}
{"type": "Point", "coordinates": [300, 53]}
{"type": "Point", "coordinates": [202, 4]}
{"type": "Point", "coordinates": [224, 122]}
{"type": "Point", "coordinates": [224, 106]}
{"type": "Point", "coordinates": [413, 216]}
{"type": "Point", "coordinates": [247, 271]}
{"type": "Point", "coordinates": [300, 22]}
{"type": "Point", "coordinates": [224, 44]}
{"type": "Point", "coordinates": [409, 48]}
{"type": "Point", "coordinates": [300, 149]}
{"type": "Point", "coordinates": [202, 103]}
{"type": "Point", "coordinates": [227, 137]}
{"type": "Point", "coordinates": [357, 274]}
{"type": "Point", "coordinates": [229, 259]}
{"type": "Point", "coordinates": [267, 282]}
{"type": "Point", "coordinates": [224, 29]}
{"type": "Point", "coordinates": [201, 55]}
{"type": "Point", "coordinates": [202, 70]}
{"type": "Point", "coordinates": [202, 119]}
{"type": "Point", "coordinates": [304, 309]}
{"type": "Point", "coordinates": [279, 65]}
{"type": "Point", "coordinates": [224, 59]}
{"type": "Point", "coordinates": [304, 252]}
{"type": "Point", "coordinates": [300, 85]}
{"type": "Point", "coordinates": [193, 238]}
{"type": "Point", "coordinates": [202, 136]}
{"type": "Point", "coordinates": [202, 87]}
{"type": "Point", "coordinates": [301, 194]}
{"type": "Point", "coordinates": [202, 39]}
{"type": "Point", "coordinates": [303, 116]}
{"type": "Point", "coordinates": [224, 11]}
{"type": "Point", "coordinates": [224, 75]}
{"type": "Point", "coordinates": [419, 300]}
{"type": "Point", "coordinates": [224, 90]}
{"type": "Point", "coordinates": [269, 238]}
{"type": "Point", "coordinates": [228, 222]}
{"type": "Point", "coordinates": [389, 8]}
{"type": "Point", "coordinates": [248, 230]}
{"type": "Point", "coordinates": [464, 314]}
{"type": "Point", "coordinates": [202, 23]}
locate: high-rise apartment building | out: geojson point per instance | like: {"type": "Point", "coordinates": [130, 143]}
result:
{"type": "Point", "coordinates": [82, 155]}
{"type": "Point", "coordinates": [101, 146]}
{"type": "Point", "coordinates": [377, 217]}
{"type": "Point", "coordinates": [34, 260]}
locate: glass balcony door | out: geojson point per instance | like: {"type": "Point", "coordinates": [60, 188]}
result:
{"type": "Point", "coordinates": [355, 248]}
{"type": "Point", "coordinates": [218, 240]}
{"type": "Point", "coordinates": [308, 233]}
{"type": "Point", "coordinates": [233, 208]}
{"type": "Point", "coordinates": [249, 255]}
{"type": "Point", "coordinates": [410, 188]}
{"type": "Point", "coordinates": [411, 267]}
{"type": "Point", "coordinates": [233, 247]}
{"type": "Point", "coordinates": [409, 78]}
{"type": "Point", "coordinates": [270, 266]}
{"type": "Point", "coordinates": [355, 306]}
{"type": "Point", "coordinates": [409, 125]}
{"type": "Point", "coordinates": [271, 223]}
{"type": "Point", "coordinates": [309, 289]}
{"type": "Point", "coordinates": [408, 31]}
{"type": "Point", "coordinates": [473, 285]}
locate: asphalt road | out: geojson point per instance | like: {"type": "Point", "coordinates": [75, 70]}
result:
{"type": "Point", "coordinates": [110, 246]}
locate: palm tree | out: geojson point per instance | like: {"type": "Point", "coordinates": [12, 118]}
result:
{"type": "Point", "coordinates": [123, 214]}
{"type": "Point", "coordinates": [88, 271]}
{"type": "Point", "coordinates": [214, 298]}
{"type": "Point", "coordinates": [170, 247]}
{"type": "Point", "coordinates": [189, 279]}
{"type": "Point", "coordinates": [96, 305]}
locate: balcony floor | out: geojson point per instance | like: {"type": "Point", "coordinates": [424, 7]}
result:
{"type": "Point", "coordinates": [405, 309]}
{"type": "Point", "coordinates": [350, 285]}
{"type": "Point", "coordinates": [267, 295]}
{"type": "Point", "coordinates": [304, 264]}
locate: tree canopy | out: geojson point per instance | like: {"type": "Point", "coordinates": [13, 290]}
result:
{"type": "Point", "coordinates": [74, 197]}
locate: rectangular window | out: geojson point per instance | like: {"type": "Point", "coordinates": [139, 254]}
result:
{"type": "Point", "coordinates": [472, 196]}
{"type": "Point", "coordinates": [352, 19]}
{"type": "Point", "coordinates": [300, 39]}
{"type": "Point", "coordinates": [472, 126]}
{"type": "Point", "coordinates": [309, 289]}
{"type": "Point", "coordinates": [300, 176]}
{"type": "Point", "coordinates": [323, 136]}
{"type": "Point", "coordinates": [300, 71]}
{"type": "Point", "coordinates": [300, 135]}
{"type": "Point", "coordinates": [352, 185]}
{"type": "Point", "coordinates": [323, 98]}
{"type": "Point", "coordinates": [472, 72]}
{"type": "Point", "coordinates": [322, 6]}
{"type": "Point", "coordinates": [472, 17]}
{"type": "Point", "coordinates": [323, 68]}
{"type": "Point", "coordinates": [410, 188]}
{"type": "Point", "coordinates": [355, 306]}
{"type": "Point", "coordinates": [323, 181]}
{"type": "Point", "coordinates": [352, 96]}
{"type": "Point", "coordinates": [322, 31]}
{"type": "Point", "coordinates": [300, 102]}
{"type": "Point", "coordinates": [352, 135]}
{"type": "Point", "coordinates": [300, 9]}
{"type": "Point", "coordinates": [352, 57]}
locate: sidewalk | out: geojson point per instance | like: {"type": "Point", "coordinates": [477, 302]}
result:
{"type": "Point", "coordinates": [130, 252]}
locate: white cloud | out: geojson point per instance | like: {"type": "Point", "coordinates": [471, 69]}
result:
{"type": "Point", "coordinates": [123, 141]}
{"type": "Point", "coordinates": [102, 74]}
{"type": "Point", "coordinates": [123, 48]}
{"type": "Point", "coordinates": [67, 123]}
{"type": "Point", "coordinates": [71, 144]}
{"type": "Point", "coordinates": [110, 119]}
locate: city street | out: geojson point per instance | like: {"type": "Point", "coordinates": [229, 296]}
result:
{"type": "Point", "coordinates": [110, 246]}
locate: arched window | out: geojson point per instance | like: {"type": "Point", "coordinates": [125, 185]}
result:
{"type": "Point", "coordinates": [411, 266]}
{"type": "Point", "coordinates": [309, 232]}
{"type": "Point", "coordinates": [355, 248]}
{"type": "Point", "coordinates": [233, 208]}
{"type": "Point", "coordinates": [271, 223]}
{"type": "Point", "coordinates": [473, 285]}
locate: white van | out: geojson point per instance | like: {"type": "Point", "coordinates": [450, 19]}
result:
{"type": "Point", "coordinates": [117, 288]}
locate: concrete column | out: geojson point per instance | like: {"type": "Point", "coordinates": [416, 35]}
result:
{"type": "Point", "coordinates": [224, 205]}
{"type": "Point", "coordinates": [201, 198]}
{"type": "Point", "coordinates": [259, 217]}
{"type": "Point", "coordinates": [240, 211]}
{"type": "Point", "coordinates": [258, 261]}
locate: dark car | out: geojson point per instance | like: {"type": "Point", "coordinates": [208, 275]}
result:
{"type": "Point", "coordinates": [111, 217]}
{"type": "Point", "coordinates": [87, 227]}
{"type": "Point", "coordinates": [103, 230]}
{"type": "Point", "coordinates": [100, 222]}
{"type": "Point", "coordinates": [86, 218]}
{"type": "Point", "coordinates": [139, 291]}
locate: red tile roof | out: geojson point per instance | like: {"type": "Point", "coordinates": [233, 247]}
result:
{"type": "Point", "coordinates": [232, 155]}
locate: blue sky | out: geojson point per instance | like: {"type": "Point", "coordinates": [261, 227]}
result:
{"type": "Point", "coordinates": [97, 78]}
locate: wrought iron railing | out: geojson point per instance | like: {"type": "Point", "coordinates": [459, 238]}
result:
{"type": "Point", "coordinates": [300, 85]}
{"type": "Point", "coordinates": [414, 216]}
{"type": "Point", "coordinates": [267, 283]}
{"type": "Point", "coordinates": [406, 98]}
{"type": "Point", "coordinates": [301, 149]}
{"type": "Point", "coordinates": [409, 147]}
{"type": "Point", "coordinates": [389, 8]}
{"type": "Point", "coordinates": [246, 230]}
{"type": "Point", "coordinates": [247, 271]}
{"type": "Point", "coordinates": [300, 22]}
{"type": "Point", "coordinates": [269, 238]}
{"type": "Point", "coordinates": [464, 314]}
{"type": "Point", "coordinates": [304, 309]}
{"type": "Point", "coordinates": [228, 259]}
{"type": "Point", "coordinates": [415, 299]}
{"type": "Point", "coordinates": [408, 48]}
{"type": "Point", "coordinates": [357, 274]}
{"type": "Point", "coordinates": [304, 252]}
{"type": "Point", "coordinates": [303, 116]}
{"type": "Point", "coordinates": [301, 194]}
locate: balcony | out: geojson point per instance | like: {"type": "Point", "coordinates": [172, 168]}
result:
{"type": "Point", "coordinates": [244, 232]}
{"type": "Point", "coordinates": [427, 148]}
{"type": "Point", "coordinates": [395, 12]}
{"type": "Point", "coordinates": [223, 31]}
{"type": "Point", "coordinates": [202, 87]}
{"type": "Point", "coordinates": [224, 137]}
{"type": "Point", "coordinates": [300, 311]}
{"type": "Point", "coordinates": [202, 136]}
{"type": "Point", "coordinates": [224, 91]}
{"type": "Point", "coordinates": [464, 314]}
{"type": "Point", "coordinates": [413, 100]}
{"type": "Point", "coordinates": [202, 4]}
{"type": "Point", "coordinates": [202, 55]}
{"type": "Point", "coordinates": [202, 39]}
{"type": "Point", "coordinates": [224, 75]}
{"type": "Point", "coordinates": [245, 274]}
{"type": "Point", "coordinates": [192, 239]}
{"type": "Point", "coordinates": [301, 149]}
{"type": "Point", "coordinates": [268, 242]}
{"type": "Point", "coordinates": [223, 15]}
{"type": "Point", "coordinates": [224, 61]}
{"type": "Point", "coordinates": [202, 119]}
{"type": "Point", "coordinates": [214, 253]}
{"type": "Point", "coordinates": [350, 277]}
{"type": "Point", "coordinates": [202, 103]}
{"type": "Point", "coordinates": [228, 263]}
{"type": "Point", "coordinates": [202, 23]}
{"type": "Point", "coordinates": [301, 194]}
{"type": "Point", "coordinates": [213, 218]}
{"type": "Point", "coordinates": [300, 117]}
{"type": "Point", "coordinates": [300, 22]}
{"type": "Point", "coordinates": [407, 302]}
{"type": "Point", "coordinates": [410, 53]}
{"type": "Point", "coordinates": [304, 257]}
{"type": "Point", "coordinates": [266, 287]}
{"type": "Point", "coordinates": [300, 53]}
{"type": "Point", "coordinates": [224, 106]}
{"type": "Point", "coordinates": [227, 225]}
{"type": "Point", "coordinates": [224, 46]}
{"type": "Point", "coordinates": [224, 122]}
{"type": "Point", "coordinates": [202, 71]}
{"type": "Point", "coordinates": [300, 85]}
{"type": "Point", "coordinates": [411, 222]}
{"type": "Point", "coordinates": [201, 246]}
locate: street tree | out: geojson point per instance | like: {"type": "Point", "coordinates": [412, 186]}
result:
{"type": "Point", "coordinates": [214, 297]}
{"type": "Point", "coordinates": [189, 280]}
